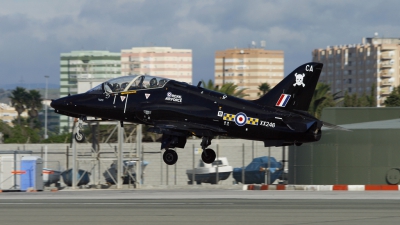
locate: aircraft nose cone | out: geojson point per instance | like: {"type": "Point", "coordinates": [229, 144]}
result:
{"type": "Point", "coordinates": [56, 104]}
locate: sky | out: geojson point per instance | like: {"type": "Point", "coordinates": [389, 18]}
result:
{"type": "Point", "coordinates": [33, 33]}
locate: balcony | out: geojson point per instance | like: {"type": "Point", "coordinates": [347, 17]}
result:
{"type": "Point", "coordinates": [385, 83]}
{"type": "Point", "coordinates": [387, 55]}
{"type": "Point", "coordinates": [386, 64]}
{"type": "Point", "coordinates": [385, 92]}
{"type": "Point", "coordinates": [385, 74]}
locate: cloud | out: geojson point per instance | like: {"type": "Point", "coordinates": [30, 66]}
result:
{"type": "Point", "coordinates": [33, 37]}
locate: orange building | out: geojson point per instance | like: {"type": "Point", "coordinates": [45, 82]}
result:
{"type": "Point", "coordinates": [248, 68]}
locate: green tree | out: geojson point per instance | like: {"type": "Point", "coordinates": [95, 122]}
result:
{"type": "Point", "coordinates": [347, 102]}
{"type": "Point", "coordinates": [210, 85]}
{"type": "Point", "coordinates": [363, 101]}
{"type": "Point", "coordinates": [19, 98]}
{"type": "Point", "coordinates": [264, 88]}
{"type": "Point", "coordinates": [372, 96]}
{"type": "Point", "coordinates": [227, 88]}
{"type": "Point", "coordinates": [322, 98]}
{"type": "Point", "coordinates": [350, 100]}
{"type": "Point", "coordinates": [394, 98]}
{"type": "Point", "coordinates": [34, 105]}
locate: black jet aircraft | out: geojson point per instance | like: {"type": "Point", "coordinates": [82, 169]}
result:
{"type": "Point", "coordinates": [178, 110]}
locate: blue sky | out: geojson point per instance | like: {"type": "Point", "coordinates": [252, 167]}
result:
{"type": "Point", "coordinates": [34, 33]}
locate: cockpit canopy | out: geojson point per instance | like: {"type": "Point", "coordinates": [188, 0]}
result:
{"type": "Point", "coordinates": [131, 82]}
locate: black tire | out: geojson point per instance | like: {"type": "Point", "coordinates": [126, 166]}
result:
{"type": "Point", "coordinates": [79, 137]}
{"type": "Point", "coordinates": [210, 158]}
{"type": "Point", "coordinates": [170, 157]}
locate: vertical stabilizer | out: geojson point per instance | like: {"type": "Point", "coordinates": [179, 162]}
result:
{"type": "Point", "coordinates": [295, 90]}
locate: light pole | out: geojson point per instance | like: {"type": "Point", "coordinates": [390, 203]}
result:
{"type": "Point", "coordinates": [45, 110]}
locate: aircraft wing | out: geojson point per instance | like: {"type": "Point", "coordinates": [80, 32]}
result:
{"type": "Point", "coordinates": [194, 128]}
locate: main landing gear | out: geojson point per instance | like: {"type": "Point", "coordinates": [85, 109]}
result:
{"type": "Point", "coordinates": [168, 141]}
{"type": "Point", "coordinates": [176, 140]}
{"type": "Point", "coordinates": [208, 155]}
{"type": "Point", "coordinates": [79, 136]}
{"type": "Point", "coordinates": [170, 157]}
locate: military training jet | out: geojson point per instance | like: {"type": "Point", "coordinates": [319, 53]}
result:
{"type": "Point", "coordinates": [178, 110]}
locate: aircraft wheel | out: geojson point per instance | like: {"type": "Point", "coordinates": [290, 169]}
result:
{"type": "Point", "coordinates": [79, 137]}
{"type": "Point", "coordinates": [208, 156]}
{"type": "Point", "coordinates": [170, 157]}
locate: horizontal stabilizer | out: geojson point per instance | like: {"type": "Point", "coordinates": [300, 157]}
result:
{"type": "Point", "coordinates": [334, 127]}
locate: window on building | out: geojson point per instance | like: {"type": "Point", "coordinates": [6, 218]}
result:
{"type": "Point", "coordinates": [349, 89]}
{"type": "Point", "coordinates": [349, 81]}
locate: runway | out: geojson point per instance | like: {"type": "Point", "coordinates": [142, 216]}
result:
{"type": "Point", "coordinates": [199, 207]}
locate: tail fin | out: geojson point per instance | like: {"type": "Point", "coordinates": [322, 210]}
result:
{"type": "Point", "coordinates": [295, 90]}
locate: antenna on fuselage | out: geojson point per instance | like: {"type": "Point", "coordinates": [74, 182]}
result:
{"type": "Point", "coordinates": [199, 84]}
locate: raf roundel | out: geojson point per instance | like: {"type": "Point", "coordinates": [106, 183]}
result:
{"type": "Point", "coordinates": [169, 94]}
{"type": "Point", "coordinates": [240, 119]}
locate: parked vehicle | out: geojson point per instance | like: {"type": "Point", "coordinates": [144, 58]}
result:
{"type": "Point", "coordinates": [255, 171]}
{"type": "Point", "coordinates": [128, 174]}
{"type": "Point", "coordinates": [207, 173]}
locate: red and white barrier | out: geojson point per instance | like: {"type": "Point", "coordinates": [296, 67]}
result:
{"type": "Point", "coordinates": [338, 187]}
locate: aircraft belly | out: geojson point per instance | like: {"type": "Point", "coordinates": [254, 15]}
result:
{"type": "Point", "coordinates": [255, 132]}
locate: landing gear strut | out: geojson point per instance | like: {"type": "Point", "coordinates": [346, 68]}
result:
{"type": "Point", "coordinates": [79, 136]}
{"type": "Point", "coordinates": [208, 155]}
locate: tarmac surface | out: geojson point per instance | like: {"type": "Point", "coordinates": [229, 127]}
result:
{"type": "Point", "coordinates": [199, 206]}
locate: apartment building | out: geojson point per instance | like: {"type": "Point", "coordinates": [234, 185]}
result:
{"type": "Point", "coordinates": [248, 68]}
{"type": "Point", "coordinates": [158, 61]}
{"type": "Point", "coordinates": [355, 68]}
{"type": "Point", "coordinates": [82, 70]}
{"type": "Point", "coordinates": [8, 114]}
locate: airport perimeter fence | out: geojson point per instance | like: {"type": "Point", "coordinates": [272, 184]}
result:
{"type": "Point", "coordinates": [238, 152]}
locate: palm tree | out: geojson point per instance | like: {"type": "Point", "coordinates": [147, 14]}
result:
{"type": "Point", "coordinates": [264, 88]}
{"type": "Point", "coordinates": [34, 104]}
{"type": "Point", "coordinates": [322, 98]}
{"type": "Point", "coordinates": [210, 85]}
{"type": "Point", "coordinates": [18, 101]}
{"type": "Point", "coordinates": [227, 88]}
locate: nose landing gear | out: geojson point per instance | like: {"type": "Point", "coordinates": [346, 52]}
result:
{"type": "Point", "coordinates": [79, 136]}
